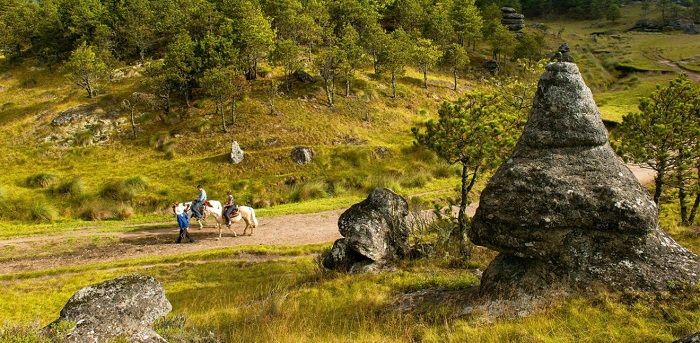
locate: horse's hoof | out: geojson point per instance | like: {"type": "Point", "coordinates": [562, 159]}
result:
{"type": "Point", "coordinates": [218, 238]}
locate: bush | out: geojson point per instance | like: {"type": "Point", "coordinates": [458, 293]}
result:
{"type": "Point", "coordinates": [117, 190]}
{"type": "Point", "coordinates": [124, 211]}
{"type": "Point", "coordinates": [43, 212]}
{"type": "Point", "coordinates": [95, 211]}
{"type": "Point", "coordinates": [40, 180]}
{"type": "Point", "coordinates": [136, 183]}
{"type": "Point", "coordinates": [308, 191]}
{"type": "Point", "coordinates": [71, 188]}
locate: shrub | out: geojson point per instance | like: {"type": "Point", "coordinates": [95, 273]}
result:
{"type": "Point", "coordinates": [42, 212]}
{"type": "Point", "coordinates": [117, 190]}
{"type": "Point", "coordinates": [40, 180]}
{"type": "Point", "coordinates": [71, 188]}
{"type": "Point", "coordinates": [123, 211]}
{"type": "Point", "coordinates": [95, 211]}
{"type": "Point", "coordinates": [136, 183]}
{"type": "Point", "coordinates": [308, 191]}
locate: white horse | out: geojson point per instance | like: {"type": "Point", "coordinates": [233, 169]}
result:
{"type": "Point", "coordinates": [213, 207]}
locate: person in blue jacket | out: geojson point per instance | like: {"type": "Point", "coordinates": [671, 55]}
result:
{"type": "Point", "coordinates": [183, 221]}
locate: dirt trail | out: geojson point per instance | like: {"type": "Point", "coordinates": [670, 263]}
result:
{"type": "Point", "coordinates": [679, 69]}
{"type": "Point", "coordinates": [80, 247]}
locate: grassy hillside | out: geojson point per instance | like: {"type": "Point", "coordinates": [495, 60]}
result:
{"type": "Point", "coordinates": [46, 183]}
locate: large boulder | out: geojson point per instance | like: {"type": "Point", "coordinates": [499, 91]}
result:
{"type": "Point", "coordinates": [565, 210]}
{"type": "Point", "coordinates": [375, 233]}
{"type": "Point", "coordinates": [302, 155]}
{"type": "Point", "coordinates": [125, 307]}
{"type": "Point", "coordinates": [236, 155]}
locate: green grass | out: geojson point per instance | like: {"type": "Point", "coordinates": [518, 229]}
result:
{"type": "Point", "coordinates": [292, 300]}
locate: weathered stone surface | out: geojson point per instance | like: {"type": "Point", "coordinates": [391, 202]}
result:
{"type": "Point", "coordinates": [564, 209]}
{"type": "Point", "coordinates": [694, 338]}
{"type": "Point", "coordinates": [508, 10]}
{"type": "Point", "coordinates": [516, 16]}
{"type": "Point", "coordinates": [85, 124]}
{"type": "Point", "coordinates": [125, 307]}
{"type": "Point", "coordinates": [302, 155]}
{"type": "Point", "coordinates": [237, 153]}
{"type": "Point", "coordinates": [375, 233]}
{"type": "Point", "coordinates": [303, 76]}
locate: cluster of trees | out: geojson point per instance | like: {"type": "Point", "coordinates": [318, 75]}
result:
{"type": "Point", "coordinates": [665, 136]}
{"type": "Point", "coordinates": [195, 38]}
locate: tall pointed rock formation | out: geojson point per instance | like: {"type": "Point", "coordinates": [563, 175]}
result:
{"type": "Point", "coordinates": [565, 211]}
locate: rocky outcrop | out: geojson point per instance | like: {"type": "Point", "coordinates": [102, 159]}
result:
{"type": "Point", "coordinates": [374, 231]}
{"type": "Point", "coordinates": [564, 211]}
{"type": "Point", "coordinates": [648, 25]}
{"type": "Point", "coordinates": [302, 155]}
{"type": "Point", "coordinates": [303, 76]}
{"type": "Point", "coordinates": [124, 308]}
{"type": "Point", "coordinates": [84, 125]}
{"type": "Point", "coordinates": [511, 19]}
{"type": "Point", "coordinates": [236, 155]}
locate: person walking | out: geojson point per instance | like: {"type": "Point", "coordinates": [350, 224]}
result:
{"type": "Point", "coordinates": [183, 222]}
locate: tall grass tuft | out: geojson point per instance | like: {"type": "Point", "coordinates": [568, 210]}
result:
{"type": "Point", "coordinates": [42, 212]}
{"type": "Point", "coordinates": [308, 191]}
{"type": "Point", "coordinates": [117, 190]}
{"type": "Point", "coordinates": [71, 188]}
{"type": "Point", "coordinates": [40, 180]}
{"type": "Point", "coordinates": [136, 183]}
{"type": "Point", "coordinates": [123, 190]}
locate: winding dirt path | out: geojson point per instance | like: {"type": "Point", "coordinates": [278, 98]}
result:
{"type": "Point", "coordinates": [85, 246]}
{"type": "Point", "coordinates": [679, 69]}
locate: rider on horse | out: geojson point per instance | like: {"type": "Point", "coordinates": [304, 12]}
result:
{"type": "Point", "coordinates": [230, 208]}
{"type": "Point", "coordinates": [198, 204]}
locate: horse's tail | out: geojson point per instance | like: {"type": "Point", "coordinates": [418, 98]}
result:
{"type": "Point", "coordinates": [253, 218]}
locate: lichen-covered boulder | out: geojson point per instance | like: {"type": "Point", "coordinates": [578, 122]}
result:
{"type": "Point", "coordinates": [564, 209]}
{"type": "Point", "coordinates": [125, 307]}
{"type": "Point", "coordinates": [694, 338]}
{"type": "Point", "coordinates": [236, 156]}
{"type": "Point", "coordinates": [375, 233]}
{"type": "Point", "coordinates": [302, 155]}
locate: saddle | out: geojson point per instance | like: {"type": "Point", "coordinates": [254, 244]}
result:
{"type": "Point", "coordinates": [207, 204]}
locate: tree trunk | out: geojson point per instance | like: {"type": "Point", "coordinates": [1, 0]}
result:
{"type": "Point", "coordinates": [329, 92]}
{"type": "Point", "coordinates": [90, 91]}
{"type": "Point", "coordinates": [464, 201]}
{"type": "Point", "coordinates": [233, 112]}
{"type": "Point", "coordinates": [694, 209]}
{"type": "Point", "coordinates": [454, 74]}
{"type": "Point", "coordinates": [375, 63]}
{"type": "Point", "coordinates": [347, 87]}
{"type": "Point", "coordinates": [133, 122]}
{"type": "Point", "coordinates": [682, 194]}
{"type": "Point", "coordinates": [659, 184]}
{"type": "Point", "coordinates": [220, 108]}
{"type": "Point", "coordinates": [393, 84]}
{"type": "Point", "coordinates": [425, 78]}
